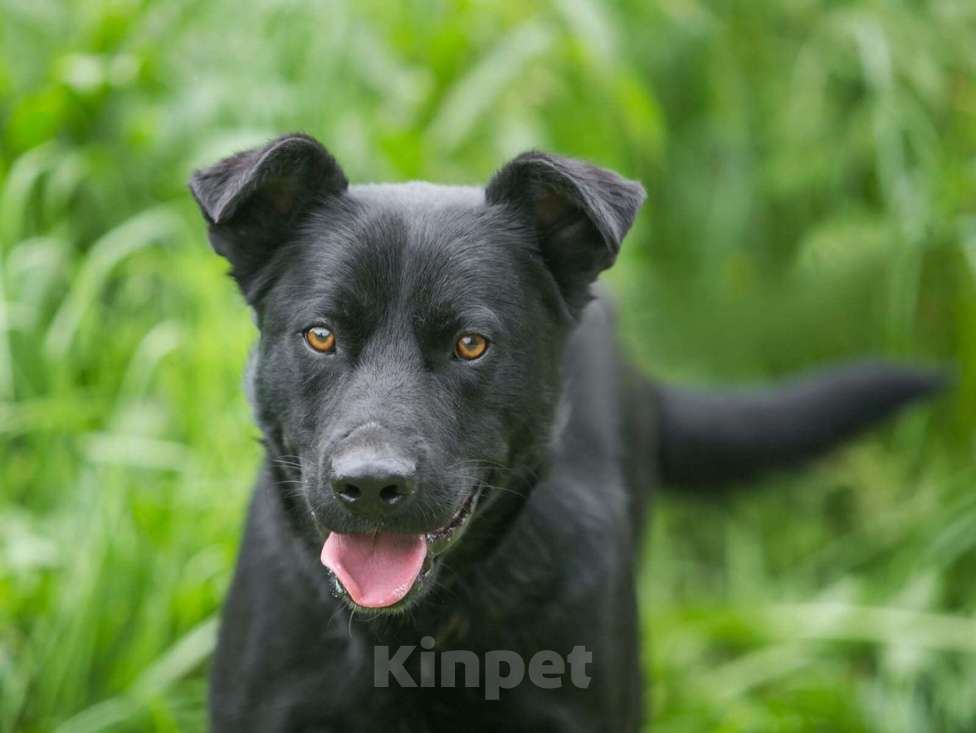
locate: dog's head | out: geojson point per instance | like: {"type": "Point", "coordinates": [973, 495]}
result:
{"type": "Point", "coordinates": [410, 339]}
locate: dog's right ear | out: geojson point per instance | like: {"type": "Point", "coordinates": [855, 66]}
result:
{"type": "Point", "coordinates": [252, 199]}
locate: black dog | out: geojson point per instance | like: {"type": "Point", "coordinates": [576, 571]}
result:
{"type": "Point", "coordinates": [457, 459]}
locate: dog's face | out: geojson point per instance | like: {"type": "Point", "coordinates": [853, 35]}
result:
{"type": "Point", "coordinates": [411, 340]}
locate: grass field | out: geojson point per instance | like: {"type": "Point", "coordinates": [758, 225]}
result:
{"type": "Point", "coordinates": [812, 176]}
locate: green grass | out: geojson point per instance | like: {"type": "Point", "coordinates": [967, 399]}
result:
{"type": "Point", "coordinates": [812, 181]}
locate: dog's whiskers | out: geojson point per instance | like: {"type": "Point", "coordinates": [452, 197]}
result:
{"type": "Point", "coordinates": [502, 489]}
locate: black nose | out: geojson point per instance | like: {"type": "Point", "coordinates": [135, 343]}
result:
{"type": "Point", "coordinates": [371, 484]}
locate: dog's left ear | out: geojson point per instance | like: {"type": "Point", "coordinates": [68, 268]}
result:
{"type": "Point", "coordinates": [580, 212]}
{"type": "Point", "coordinates": [253, 200]}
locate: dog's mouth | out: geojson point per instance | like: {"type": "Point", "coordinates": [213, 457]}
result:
{"type": "Point", "coordinates": [379, 569]}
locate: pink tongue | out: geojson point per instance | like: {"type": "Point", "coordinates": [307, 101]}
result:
{"type": "Point", "coordinates": [377, 570]}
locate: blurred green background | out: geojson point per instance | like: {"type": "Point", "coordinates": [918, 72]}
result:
{"type": "Point", "coordinates": [811, 167]}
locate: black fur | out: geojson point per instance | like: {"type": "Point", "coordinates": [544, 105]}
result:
{"type": "Point", "coordinates": [562, 438]}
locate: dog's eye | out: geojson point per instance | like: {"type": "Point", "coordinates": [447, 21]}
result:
{"type": "Point", "coordinates": [320, 339]}
{"type": "Point", "coordinates": [471, 346]}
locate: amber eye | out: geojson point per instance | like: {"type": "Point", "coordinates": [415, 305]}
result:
{"type": "Point", "coordinates": [320, 338]}
{"type": "Point", "coordinates": [471, 346]}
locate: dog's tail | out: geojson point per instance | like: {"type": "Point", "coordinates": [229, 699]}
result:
{"type": "Point", "coordinates": [711, 439]}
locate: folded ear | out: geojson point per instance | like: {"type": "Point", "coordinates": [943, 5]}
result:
{"type": "Point", "coordinates": [252, 199]}
{"type": "Point", "coordinates": [581, 214]}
